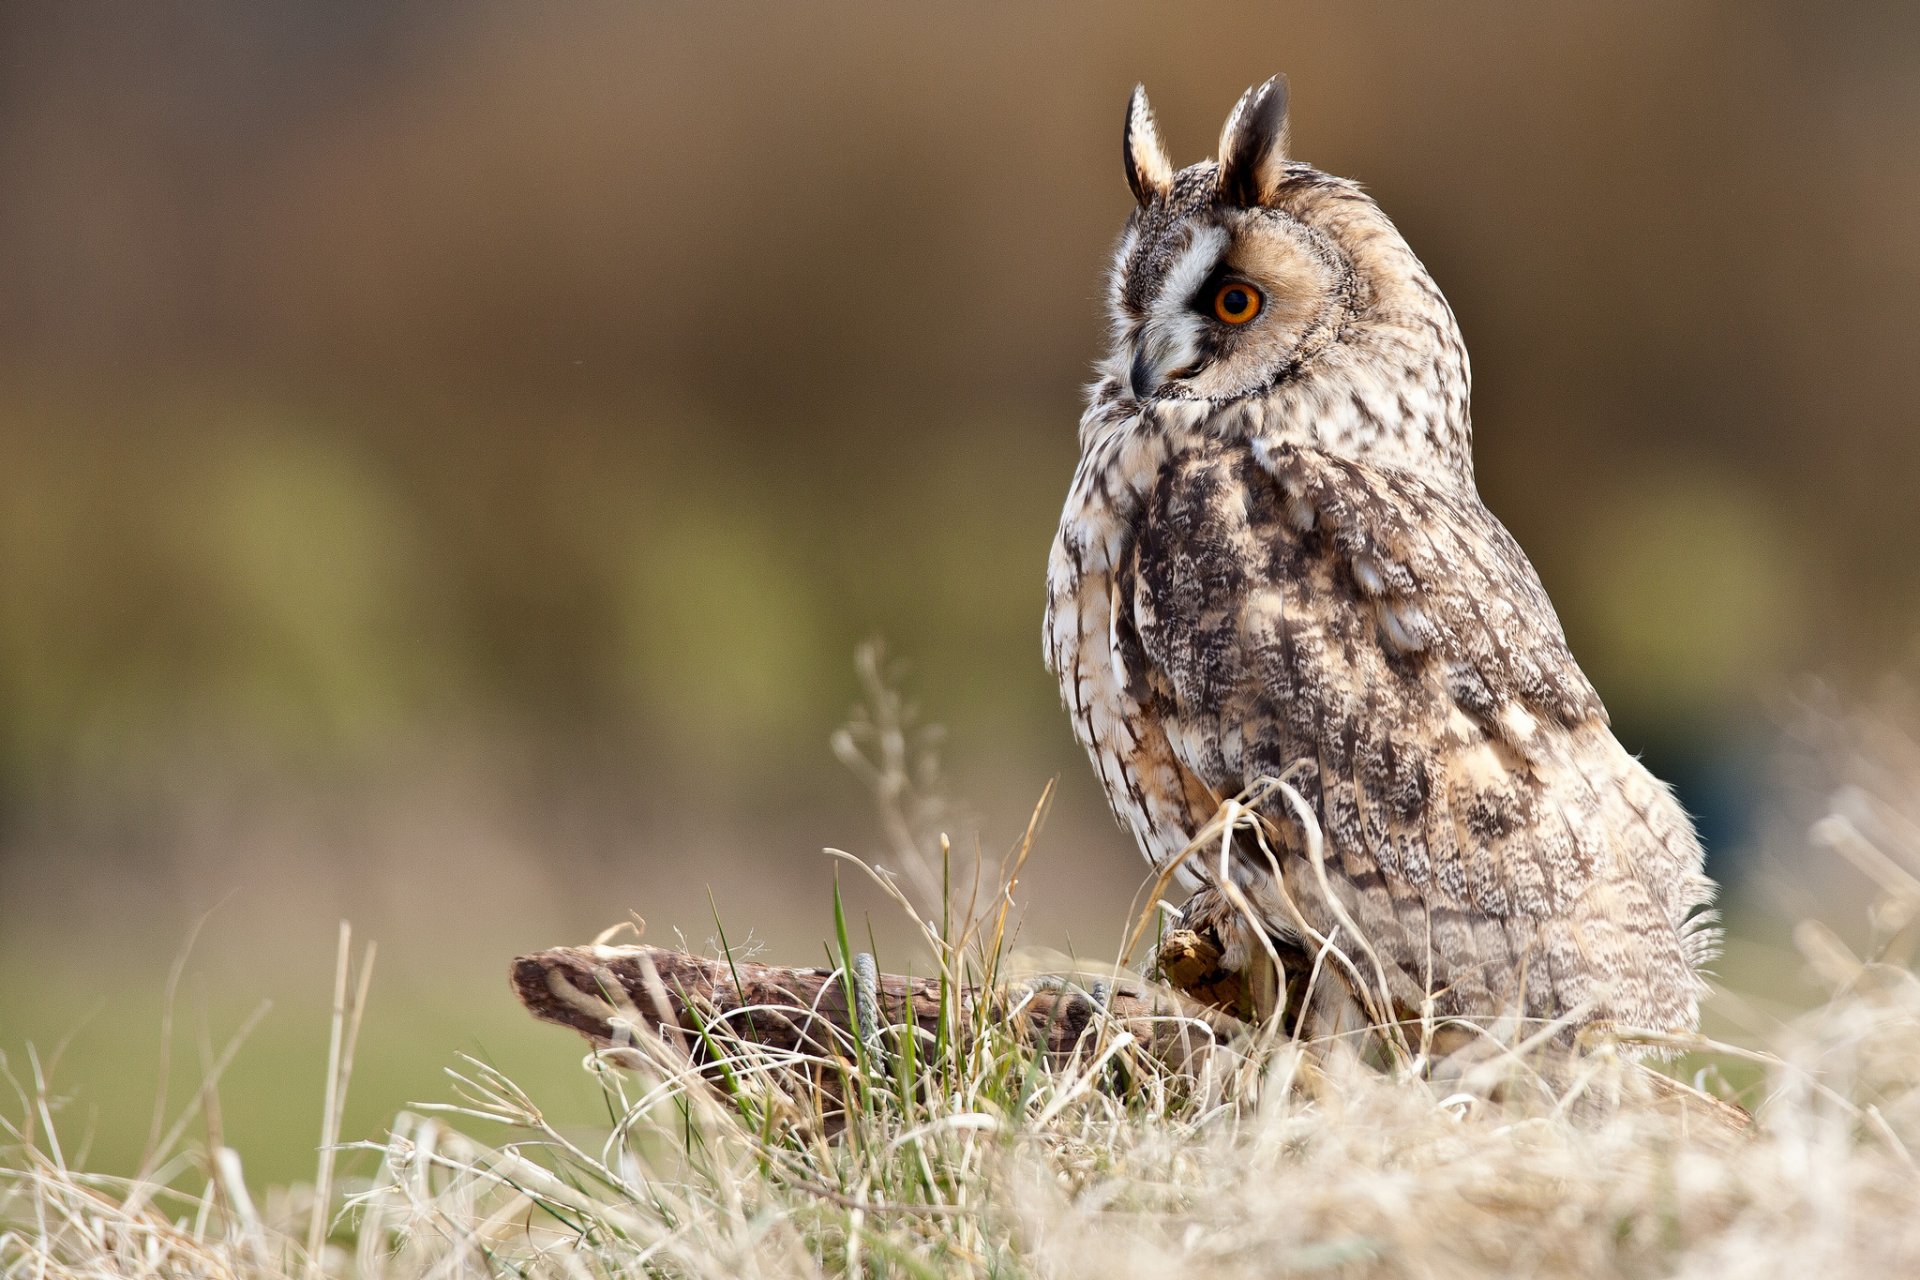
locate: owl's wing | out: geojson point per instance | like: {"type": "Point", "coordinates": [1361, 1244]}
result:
{"type": "Point", "coordinates": [1384, 642]}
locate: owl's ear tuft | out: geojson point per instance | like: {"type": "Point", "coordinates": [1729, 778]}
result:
{"type": "Point", "coordinates": [1253, 145]}
{"type": "Point", "coordinates": [1148, 171]}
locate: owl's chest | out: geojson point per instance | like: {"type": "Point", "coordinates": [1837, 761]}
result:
{"type": "Point", "coordinates": [1118, 699]}
{"type": "Point", "coordinates": [1193, 593]}
{"type": "Point", "coordinates": [1096, 529]}
{"type": "Point", "coordinates": [1153, 525]}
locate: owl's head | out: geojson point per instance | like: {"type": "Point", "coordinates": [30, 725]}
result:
{"type": "Point", "coordinates": [1254, 293]}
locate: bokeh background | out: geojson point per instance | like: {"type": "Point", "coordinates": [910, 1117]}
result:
{"type": "Point", "coordinates": [452, 451]}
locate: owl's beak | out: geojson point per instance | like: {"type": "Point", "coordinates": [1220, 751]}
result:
{"type": "Point", "coordinates": [1141, 377]}
{"type": "Point", "coordinates": [1161, 353]}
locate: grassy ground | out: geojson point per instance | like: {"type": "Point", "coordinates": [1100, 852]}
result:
{"type": "Point", "coordinates": [963, 1153]}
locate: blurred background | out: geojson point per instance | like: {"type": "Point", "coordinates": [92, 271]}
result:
{"type": "Point", "coordinates": [449, 454]}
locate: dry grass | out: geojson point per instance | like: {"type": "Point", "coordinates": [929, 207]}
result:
{"type": "Point", "coordinates": [963, 1154]}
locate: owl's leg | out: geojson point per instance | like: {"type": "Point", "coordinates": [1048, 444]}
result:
{"type": "Point", "coordinates": [1217, 957]}
{"type": "Point", "coordinates": [1190, 962]}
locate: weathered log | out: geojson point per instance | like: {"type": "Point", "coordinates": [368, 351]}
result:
{"type": "Point", "coordinates": [612, 994]}
{"type": "Point", "coordinates": [608, 993]}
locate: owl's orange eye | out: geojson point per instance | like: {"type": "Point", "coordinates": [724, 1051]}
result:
{"type": "Point", "coordinates": [1236, 303]}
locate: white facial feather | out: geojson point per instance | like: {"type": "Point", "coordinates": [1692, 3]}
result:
{"type": "Point", "coordinates": [1191, 269]}
{"type": "Point", "coordinates": [1170, 339]}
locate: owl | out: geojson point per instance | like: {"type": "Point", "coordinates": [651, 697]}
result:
{"type": "Point", "coordinates": [1276, 596]}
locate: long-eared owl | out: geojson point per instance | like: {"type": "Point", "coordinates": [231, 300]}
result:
{"type": "Point", "coordinates": [1274, 566]}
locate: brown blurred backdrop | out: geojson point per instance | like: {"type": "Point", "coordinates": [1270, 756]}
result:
{"type": "Point", "coordinates": [451, 451]}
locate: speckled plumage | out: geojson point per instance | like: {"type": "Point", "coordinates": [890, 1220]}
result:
{"type": "Point", "coordinates": [1273, 564]}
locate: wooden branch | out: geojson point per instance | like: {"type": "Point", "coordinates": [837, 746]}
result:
{"type": "Point", "coordinates": [600, 991]}
{"type": "Point", "coordinates": [610, 994]}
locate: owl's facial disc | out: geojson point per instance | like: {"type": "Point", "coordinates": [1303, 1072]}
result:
{"type": "Point", "coordinates": [1233, 307]}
